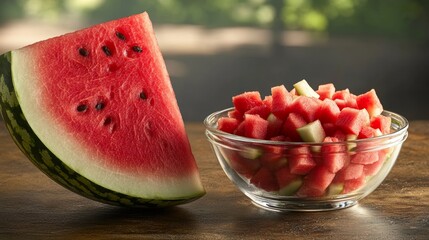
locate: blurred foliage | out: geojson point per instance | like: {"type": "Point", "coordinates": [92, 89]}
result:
{"type": "Point", "coordinates": [398, 18]}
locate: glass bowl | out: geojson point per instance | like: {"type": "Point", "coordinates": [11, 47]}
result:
{"type": "Point", "coordinates": [261, 169]}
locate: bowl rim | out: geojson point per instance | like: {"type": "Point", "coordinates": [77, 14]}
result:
{"type": "Point", "coordinates": [211, 127]}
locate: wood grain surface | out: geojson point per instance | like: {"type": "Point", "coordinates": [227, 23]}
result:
{"type": "Point", "coordinates": [34, 207]}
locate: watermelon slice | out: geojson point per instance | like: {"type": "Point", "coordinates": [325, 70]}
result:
{"type": "Point", "coordinates": [95, 110]}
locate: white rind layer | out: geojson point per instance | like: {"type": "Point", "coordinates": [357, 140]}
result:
{"type": "Point", "coordinates": [77, 156]}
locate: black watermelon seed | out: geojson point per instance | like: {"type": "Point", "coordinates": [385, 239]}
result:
{"type": "Point", "coordinates": [107, 121]}
{"type": "Point", "coordinates": [81, 108]}
{"type": "Point", "coordinates": [137, 49]}
{"type": "Point", "coordinates": [143, 95]}
{"type": "Point", "coordinates": [83, 52]}
{"type": "Point", "coordinates": [106, 50]}
{"type": "Point", "coordinates": [120, 36]}
{"type": "Point", "coordinates": [99, 106]}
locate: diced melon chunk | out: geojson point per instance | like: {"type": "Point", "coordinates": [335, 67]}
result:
{"type": "Point", "coordinates": [370, 102]}
{"type": "Point", "coordinates": [312, 132]}
{"type": "Point", "coordinates": [303, 89]}
{"type": "Point", "coordinates": [245, 101]}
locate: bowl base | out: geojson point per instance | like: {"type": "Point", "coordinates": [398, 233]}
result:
{"type": "Point", "coordinates": [304, 206]}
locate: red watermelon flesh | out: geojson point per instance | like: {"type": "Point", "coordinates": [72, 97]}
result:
{"type": "Point", "coordinates": [236, 114]}
{"type": "Point", "coordinates": [293, 122]}
{"type": "Point", "coordinates": [305, 107]}
{"type": "Point", "coordinates": [300, 160]}
{"type": "Point", "coordinates": [352, 171]}
{"type": "Point", "coordinates": [341, 94]}
{"type": "Point", "coordinates": [262, 110]}
{"type": "Point", "coordinates": [285, 178]}
{"type": "Point", "coordinates": [282, 99]}
{"type": "Point", "coordinates": [352, 120]}
{"type": "Point", "coordinates": [244, 166]}
{"type": "Point", "coordinates": [326, 91]}
{"type": "Point", "coordinates": [365, 157]}
{"type": "Point", "coordinates": [381, 122]}
{"type": "Point", "coordinates": [328, 111]}
{"type": "Point", "coordinates": [334, 155]}
{"type": "Point", "coordinates": [316, 182]}
{"type": "Point", "coordinates": [268, 101]}
{"type": "Point", "coordinates": [228, 124]}
{"type": "Point", "coordinates": [274, 126]}
{"type": "Point", "coordinates": [246, 101]}
{"type": "Point", "coordinates": [373, 168]}
{"type": "Point", "coordinates": [255, 126]}
{"type": "Point", "coordinates": [354, 184]}
{"type": "Point", "coordinates": [370, 102]}
{"type": "Point", "coordinates": [113, 116]}
{"type": "Point", "coordinates": [265, 179]}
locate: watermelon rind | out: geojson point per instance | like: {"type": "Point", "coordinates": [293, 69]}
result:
{"type": "Point", "coordinates": [304, 89]}
{"type": "Point", "coordinates": [153, 195]}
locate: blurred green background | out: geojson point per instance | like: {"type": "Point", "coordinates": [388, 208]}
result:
{"type": "Point", "coordinates": [216, 49]}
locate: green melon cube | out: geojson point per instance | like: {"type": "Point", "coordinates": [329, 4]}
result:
{"type": "Point", "coordinates": [303, 89]}
{"type": "Point", "coordinates": [312, 132]}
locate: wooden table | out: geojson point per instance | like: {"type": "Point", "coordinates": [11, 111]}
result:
{"type": "Point", "coordinates": [34, 207]}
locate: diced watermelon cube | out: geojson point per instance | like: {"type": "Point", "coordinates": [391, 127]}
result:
{"type": "Point", "coordinates": [236, 114]}
{"type": "Point", "coordinates": [255, 126]}
{"type": "Point", "coordinates": [368, 132]}
{"type": "Point", "coordinates": [243, 166]}
{"type": "Point", "coordinates": [265, 180]}
{"type": "Point", "coordinates": [326, 91]}
{"type": "Point", "coordinates": [287, 181]}
{"type": "Point", "coordinates": [351, 101]}
{"type": "Point", "coordinates": [245, 101]}
{"type": "Point", "coordinates": [328, 111]}
{"type": "Point", "coordinates": [329, 128]}
{"type": "Point", "coordinates": [275, 125]}
{"type": "Point", "coordinates": [240, 129]}
{"type": "Point", "coordinates": [284, 176]}
{"type": "Point", "coordinates": [262, 110]}
{"type": "Point", "coordinates": [306, 107]}
{"type": "Point", "coordinates": [370, 102]}
{"type": "Point", "coordinates": [300, 160]}
{"type": "Point", "coordinates": [316, 182]}
{"type": "Point", "coordinates": [351, 171]}
{"type": "Point", "coordinates": [341, 103]}
{"type": "Point", "coordinates": [373, 168]}
{"type": "Point", "coordinates": [268, 101]}
{"type": "Point", "coordinates": [227, 124]}
{"type": "Point", "coordinates": [340, 135]}
{"type": "Point", "coordinates": [352, 120]}
{"type": "Point", "coordinates": [381, 122]}
{"type": "Point", "coordinates": [354, 184]}
{"type": "Point", "coordinates": [341, 94]}
{"type": "Point", "coordinates": [293, 122]}
{"type": "Point", "coordinates": [334, 155]}
{"type": "Point", "coordinates": [273, 161]}
{"type": "Point", "coordinates": [282, 99]}
{"type": "Point", "coordinates": [365, 157]}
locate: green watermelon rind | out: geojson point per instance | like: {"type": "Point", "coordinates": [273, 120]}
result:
{"type": "Point", "coordinates": [48, 163]}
